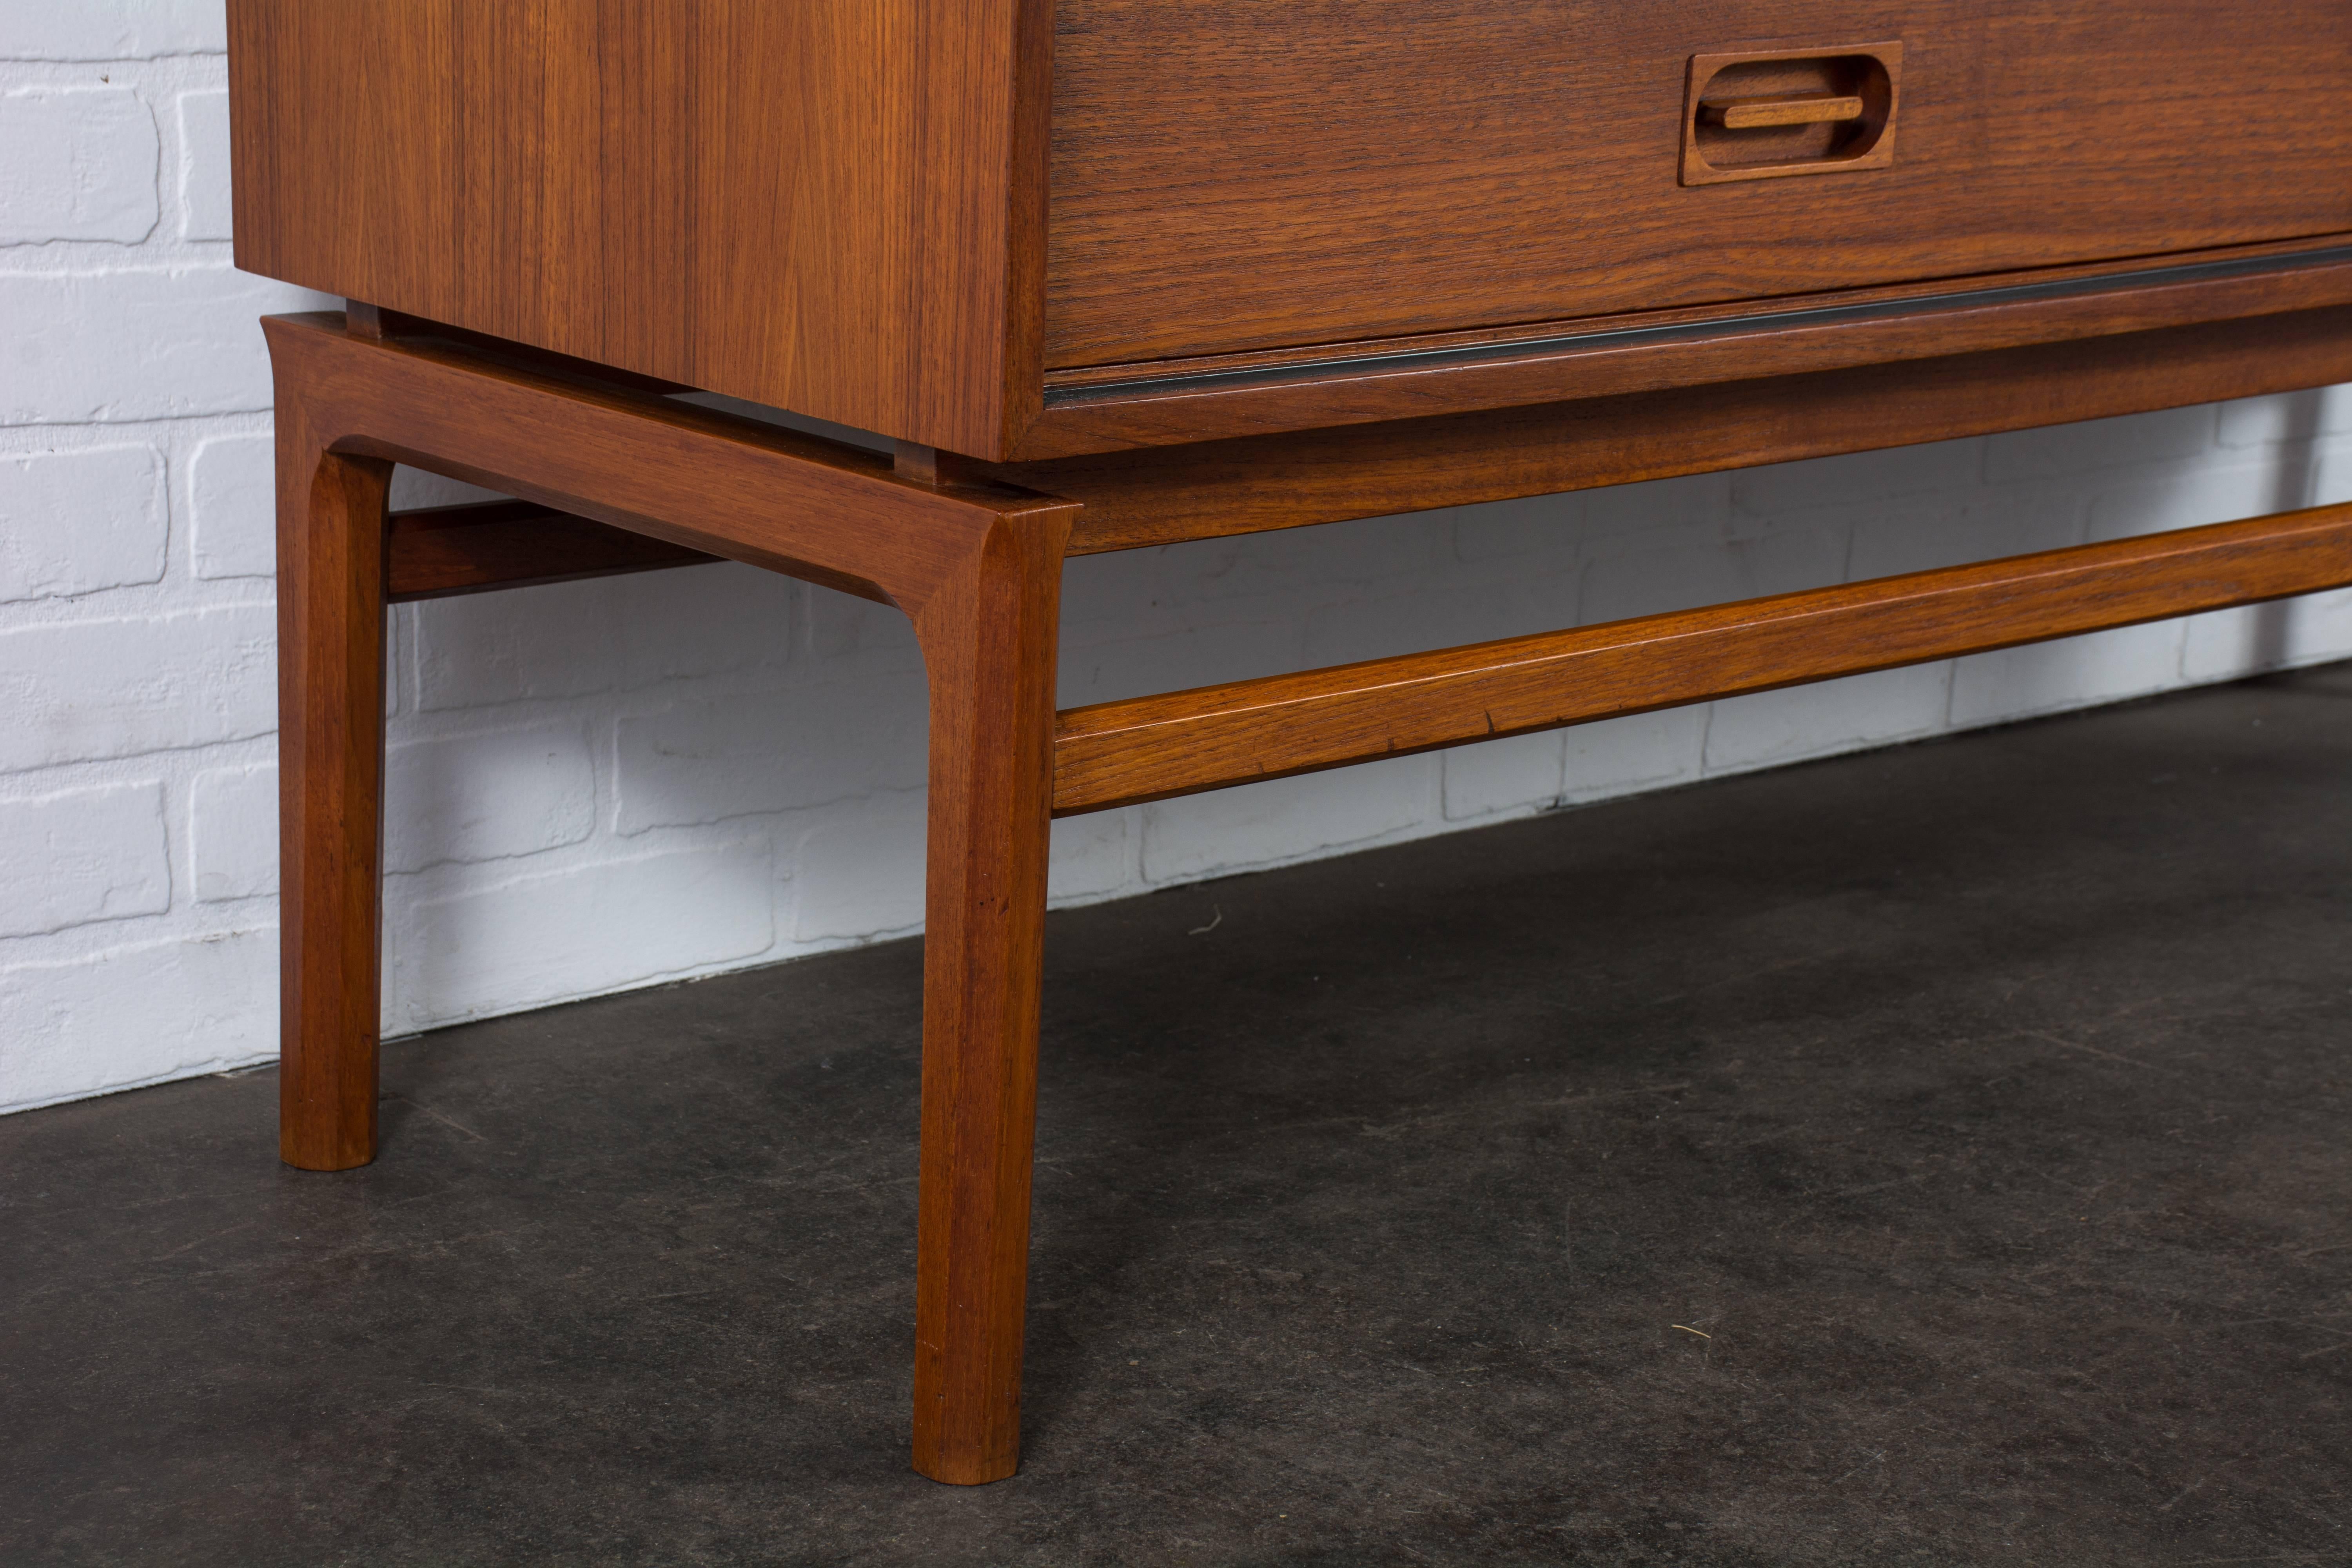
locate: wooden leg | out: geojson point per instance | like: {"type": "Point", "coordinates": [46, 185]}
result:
{"type": "Point", "coordinates": [979, 568]}
{"type": "Point", "coordinates": [989, 645]}
{"type": "Point", "coordinates": [330, 622]}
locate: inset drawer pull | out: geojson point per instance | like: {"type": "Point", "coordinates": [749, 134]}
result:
{"type": "Point", "coordinates": [1800, 109]}
{"type": "Point", "coordinates": [1758, 114]}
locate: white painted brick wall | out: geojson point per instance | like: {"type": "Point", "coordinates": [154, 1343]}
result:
{"type": "Point", "coordinates": [81, 164]}
{"type": "Point", "coordinates": [121, 31]}
{"type": "Point", "coordinates": [204, 152]}
{"type": "Point", "coordinates": [232, 503]}
{"type": "Point", "coordinates": [607, 785]}
{"type": "Point", "coordinates": [233, 833]}
{"type": "Point", "coordinates": [83, 857]}
{"type": "Point", "coordinates": [75, 522]}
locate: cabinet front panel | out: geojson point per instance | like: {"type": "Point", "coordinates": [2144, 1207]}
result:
{"type": "Point", "coordinates": [1270, 174]}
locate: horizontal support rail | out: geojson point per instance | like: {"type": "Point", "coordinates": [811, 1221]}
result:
{"type": "Point", "coordinates": [434, 552]}
{"type": "Point", "coordinates": [822, 510]}
{"type": "Point", "coordinates": [1180, 742]}
{"type": "Point", "coordinates": [1159, 495]}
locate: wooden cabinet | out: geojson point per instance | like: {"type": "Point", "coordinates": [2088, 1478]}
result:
{"type": "Point", "coordinates": [1016, 229]}
{"type": "Point", "coordinates": [1119, 273]}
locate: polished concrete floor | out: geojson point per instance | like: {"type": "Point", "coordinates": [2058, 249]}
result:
{"type": "Point", "coordinates": [1941, 1156]}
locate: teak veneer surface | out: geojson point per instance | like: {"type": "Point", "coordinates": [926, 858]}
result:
{"type": "Point", "coordinates": [1162, 495]}
{"type": "Point", "coordinates": [841, 207]}
{"type": "Point", "coordinates": [434, 553]}
{"type": "Point", "coordinates": [1263, 173]}
{"type": "Point", "coordinates": [977, 570]}
{"type": "Point", "coordinates": [832, 206]}
{"type": "Point", "coordinates": [1151, 748]}
{"type": "Point", "coordinates": [1207, 400]}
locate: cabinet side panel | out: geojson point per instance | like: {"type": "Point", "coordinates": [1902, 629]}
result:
{"type": "Point", "coordinates": [815, 205]}
{"type": "Point", "coordinates": [341, 115]}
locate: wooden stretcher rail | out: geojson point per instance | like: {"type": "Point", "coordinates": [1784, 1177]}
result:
{"type": "Point", "coordinates": [1150, 748]}
{"type": "Point", "coordinates": [1164, 495]}
{"type": "Point", "coordinates": [434, 552]}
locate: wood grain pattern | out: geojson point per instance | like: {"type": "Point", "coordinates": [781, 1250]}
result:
{"type": "Point", "coordinates": [989, 643]}
{"type": "Point", "coordinates": [2279, 262]}
{"type": "Point", "coordinates": [1162, 494]}
{"type": "Point", "coordinates": [1272, 173]}
{"type": "Point", "coordinates": [1150, 748]}
{"type": "Point", "coordinates": [840, 207]}
{"type": "Point", "coordinates": [362, 320]}
{"type": "Point", "coordinates": [728, 486]}
{"type": "Point", "coordinates": [832, 205]}
{"type": "Point", "coordinates": [976, 567]}
{"type": "Point", "coordinates": [1801, 109]}
{"type": "Point", "coordinates": [1246, 394]}
{"type": "Point", "coordinates": [331, 626]}
{"type": "Point", "coordinates": [1761, 115]}
{"type": "Point", "coordinates": [433, 553]}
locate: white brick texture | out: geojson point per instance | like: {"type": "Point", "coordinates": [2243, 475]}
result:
{"type": "Point", "coordinates": [128, 1016]}
{"type": "Point", "coordinates": [75, 522]}
{"type": "Point", "coordinates": [234, 827]}
{"type": "Point", "coordinates": [233, 506]}
{"type": "Point", "coordinates": [861, 873]}
{"type": "Point", "coordinates": [1287, 819]}
{"type": "Point", "coordinates": [485, 649]}
{"type": "Point", "coordinates": [204, 147]}
{"type": "Point", "coordinates": [493, 796]}
{"type": "Point", "coordinates": [613, 784]}
{"type": "Point", "coordinates": [85, 856]}
{"type": "Point", "coordinates": [765, 752]}
{"type": "Point", "coordinates": [548, 938]}
{"type": "Point", "coordinates": [81, 163]}
{"type": "Point", "coordinates": [78, 691]}
{"type": "Point", "coordinates": [110, 29]}
{"type": "Point", "coordinates": [160, 342]}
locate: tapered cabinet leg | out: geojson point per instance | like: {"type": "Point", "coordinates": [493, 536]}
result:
{"type": "Point", "coordinates": [989, 645]}
{"type": "Point", "coordinates": [331, 625]}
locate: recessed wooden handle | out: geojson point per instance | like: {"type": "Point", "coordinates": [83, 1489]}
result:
{"type": "Point", "coordinates": [1799, 108]}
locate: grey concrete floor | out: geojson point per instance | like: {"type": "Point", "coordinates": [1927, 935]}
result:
{"type": "Point", "coordinates": [1936, 1156]}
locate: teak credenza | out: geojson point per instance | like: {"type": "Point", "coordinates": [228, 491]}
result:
{"type": "Point", "coordinates": [1113, 273]}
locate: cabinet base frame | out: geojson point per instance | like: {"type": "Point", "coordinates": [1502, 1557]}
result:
{"type": "Point", "coordinates": [617, 478]}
